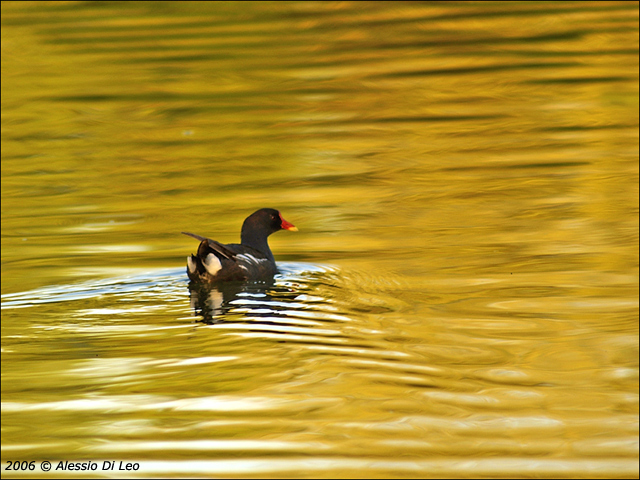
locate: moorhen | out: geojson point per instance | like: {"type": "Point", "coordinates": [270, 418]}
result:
{"type": "Point", "coordinates": [250, 260]}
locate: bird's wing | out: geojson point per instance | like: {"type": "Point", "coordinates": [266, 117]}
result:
{"type": "Point", "coordinates": [213, 245]}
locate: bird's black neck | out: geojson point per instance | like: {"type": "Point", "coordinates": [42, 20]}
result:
{"type": "Point", "coordinates": [257, 241]}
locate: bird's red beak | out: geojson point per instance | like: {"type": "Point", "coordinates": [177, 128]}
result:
{"type": "Point", "coordinates": [287, 226]}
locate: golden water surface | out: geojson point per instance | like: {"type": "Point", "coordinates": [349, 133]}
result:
{"type": "Point", "coordinates": [461, 299]}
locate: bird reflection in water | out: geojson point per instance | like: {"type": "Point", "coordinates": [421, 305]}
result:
{"type": "Point", "coordinates": [213, 302]}
{"type": "Point", "coordinates": [292, 297]}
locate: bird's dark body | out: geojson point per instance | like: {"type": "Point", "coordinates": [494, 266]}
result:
{"type": "Point", "coordinates": [249, 260]}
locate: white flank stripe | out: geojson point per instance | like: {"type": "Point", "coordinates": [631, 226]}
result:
{"type": "Point", "coordinates": [251, 259]}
